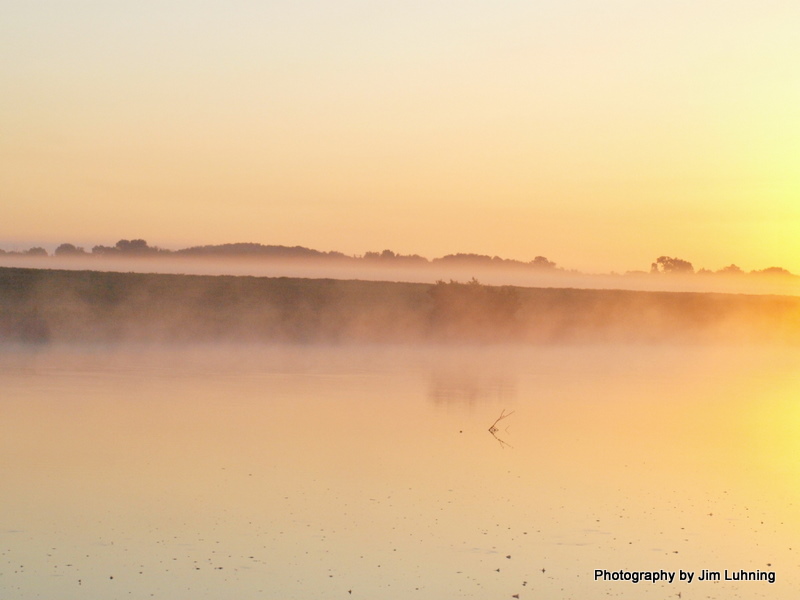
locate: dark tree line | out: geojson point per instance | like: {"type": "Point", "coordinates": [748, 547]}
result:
{"type": "Point", "coordinates": [140, 248]}
{"type": "Point", "coordinates": [678, 266]}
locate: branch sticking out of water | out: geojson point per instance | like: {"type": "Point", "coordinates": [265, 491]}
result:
{"type": "Point", "coordinates": [493, 429]}
{"type": "Point", "coordinates": [503, 415]}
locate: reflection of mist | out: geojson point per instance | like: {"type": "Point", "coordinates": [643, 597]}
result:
{"type": "Point", "coordinates": [468, 387]}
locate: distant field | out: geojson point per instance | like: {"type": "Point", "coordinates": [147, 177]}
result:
{"type": "Point", "coordinates": [41, 306]}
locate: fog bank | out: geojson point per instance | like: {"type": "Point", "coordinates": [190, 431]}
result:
{"type": "Point", "coordinates": [415, 272]}
{"type": "Point", "coordinates": [55, 306]}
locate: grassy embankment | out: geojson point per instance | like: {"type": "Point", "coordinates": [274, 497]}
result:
{"type": "Point", "coordinates": [38, 305]}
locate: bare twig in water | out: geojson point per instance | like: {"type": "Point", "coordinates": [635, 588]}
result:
{"type": "Point", "coordinates": [493, 429]}
{"type": "Point", "coordinates": [503, 415]}
{"type": "Point", "coordinates": [502, 442]}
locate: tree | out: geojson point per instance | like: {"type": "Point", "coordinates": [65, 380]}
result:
{"type": "Point", "coordinates": [390, 255]}
{"type": "Point", "coordinates": [540, 262]}
{"type": "Point", "coordinates": [667, 264]}
{"type": "Point", "coordinates": [773, 271]}
{"type": "Point", "coordinates": [104, 250]}
{"type": "Point", "coordinates": [69, 250]}
{"type": "Point", "coordinates": [134, 247]}
{"type": "Point", "coordinates": [731, 270]}
{"type": "Point", "coordinates": [127, 247]}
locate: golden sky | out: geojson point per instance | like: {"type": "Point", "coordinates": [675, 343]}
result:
{"type": "Point", "coordinates": [599, 134]}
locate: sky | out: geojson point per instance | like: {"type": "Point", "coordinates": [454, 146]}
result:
{"type": "Point", "coordinates": [600, 134]}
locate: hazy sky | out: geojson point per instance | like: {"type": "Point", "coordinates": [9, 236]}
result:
{"type": "Point", "coordinates": [601, 134]}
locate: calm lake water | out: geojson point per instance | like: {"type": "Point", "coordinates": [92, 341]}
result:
{"type": "Point", "coordinates": [370, 472]}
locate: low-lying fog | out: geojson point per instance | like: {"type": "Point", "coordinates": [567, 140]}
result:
{"type": "Point", "coordinates": [426, 273]}
{"type": "Point", "coordinates": [63, 306]}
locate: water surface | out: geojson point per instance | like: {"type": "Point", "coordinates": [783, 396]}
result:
{"type": "Point", "coordinates": [369, 472]}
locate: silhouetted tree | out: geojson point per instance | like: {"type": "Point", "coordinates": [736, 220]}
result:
{"type": "Point", "coordinates": [249, 249]}
{"type": "Point", "coordinates": [464, 258]}
{"type": "Point", "coordinates": [772, 271]}
{"type": "Point", "coordinates": [37, 251]}
{"type": "Point", "coordinates": [69, 250]}
{"type": "Point", "coordinates": [389, 255]}
{"type": "Point", "coordinates": [667, 264]}
{"type": "Point", "coordinates": [134, 247]}
{"type": "Point", "coordinates": [731, 270]}
{"type": "Point", "coordinates": [128, 248]}
{"type": "Point", "coordinates": [540, 262]}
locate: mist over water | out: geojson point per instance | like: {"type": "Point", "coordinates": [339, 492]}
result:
{"type": "Point", "coordinates": [66, 307]}
{"type": "Point", "coordinates": [364, 470]}
{"type": "Point", "coordinates": [217, 436]}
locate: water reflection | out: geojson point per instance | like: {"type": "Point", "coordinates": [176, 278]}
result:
{"type": "Point", "coordinates": [468, 387]}
{"type": "Point", "coordinates": [369, 472]}
{"type": "Point", "coordinates": [494, 429]}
